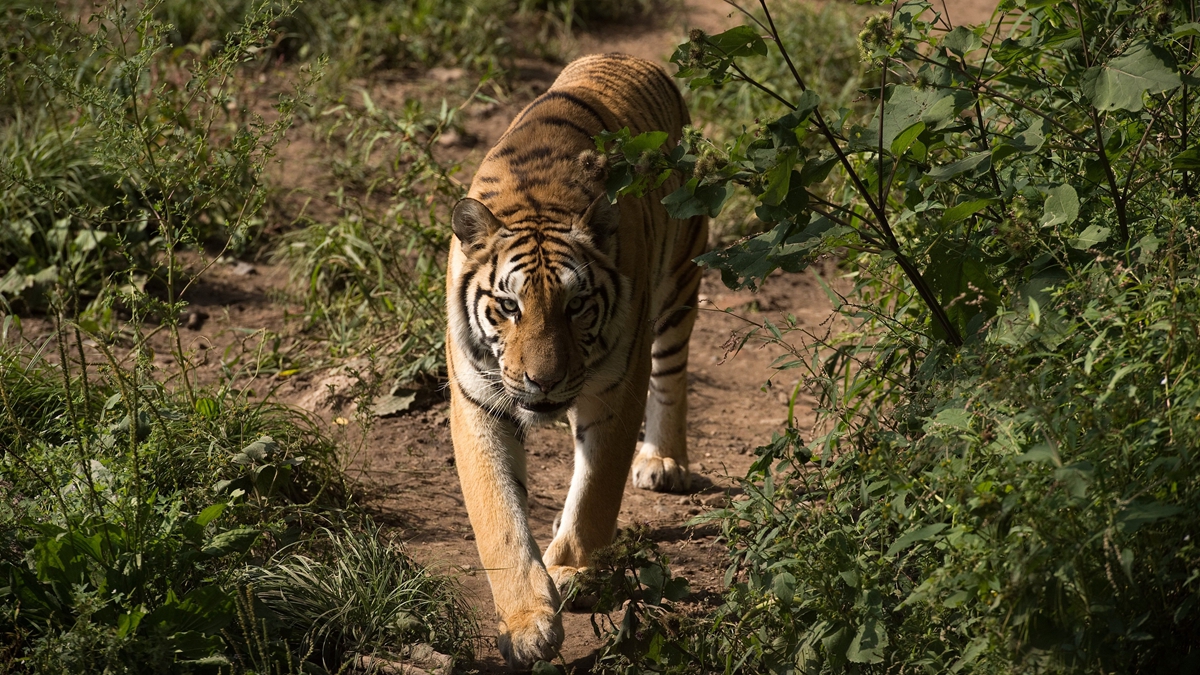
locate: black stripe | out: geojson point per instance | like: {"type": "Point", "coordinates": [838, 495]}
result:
{"type": "Point", "coordinates": [557, 121]}
{"type": "Point", "coordinates": [553, 95]}
{"type": "Point", "coordinates": [670, 371]}
{"type": "Point", "coordinates": [669, 351]}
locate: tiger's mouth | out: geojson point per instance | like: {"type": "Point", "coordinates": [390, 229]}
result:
{"type": "Point", "coordinates": [543, 407]}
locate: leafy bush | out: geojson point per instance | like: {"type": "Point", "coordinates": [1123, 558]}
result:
{"type": "Point", "coordinates": [120, 151]}
{"type": "Point", "coordinates": [1004, 476]}
{"type": "Point", "coordinates": [128, 510]}
{"type": "Point", "coordinates": [132, 500]}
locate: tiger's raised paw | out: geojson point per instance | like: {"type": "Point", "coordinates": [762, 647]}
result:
{"type": "Point", "coordinates": [661, 474]}
{"type": "Point", "coordinates": [529, 636]}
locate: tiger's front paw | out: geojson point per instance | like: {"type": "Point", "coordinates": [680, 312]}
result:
{"type": "Point", "coordinates": [530, 635]}
{"type": "Point", "coordinates": [661, 474]}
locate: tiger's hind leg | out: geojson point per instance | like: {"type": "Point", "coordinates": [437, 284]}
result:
{"type": "Point", "coordinates": [662, 463]}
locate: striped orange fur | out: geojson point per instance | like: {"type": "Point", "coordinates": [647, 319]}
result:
{"type": "Point", "coordinates": [560, 302]}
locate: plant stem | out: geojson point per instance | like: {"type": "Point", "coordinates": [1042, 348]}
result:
{"type": "Point", "coordinates": [881, 224]}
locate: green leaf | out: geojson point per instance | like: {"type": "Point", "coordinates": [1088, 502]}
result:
{"type": "Point", "coordinates": [1026, 142]}
{"type": "Point", "coordinates": [207, 408]}
{"type": "Point", "coordinates": [965, 210]}
{"type": "Point", "coordinates": [905, 106]}
{"type": "Point", "coordinates": [1188, 160]}
{"type": "Point", "coordinates": [695, 201]}
{"type": "Point", "coordinates": [1042, 453]}
{"type": "Point", "coordinates": [739, 41]}
{"type": "Point", "coordinates": [1121, 83]}
{"type": "Point", "coordinates": [1091, 236]}
{"type": "Point", "coordinates": [209, 514]}
{"type": "Point", "coordinates": [1131, 518]}
{"type": "Point", "coordinates": [258, 451]}
{"type": "Point", "coordinates": [1061, 207]}
{"type": "Point", "coordinates": [651, 140]}
{"type": "Point", "coordinates": [778, 178]}
{"type": "Point", "coordinates": [977, 162]}
{"type": "Point", "coordinates": [962, 41]}
{"type": "Point", "coordinates": [783, 130]}
{"type": "Point", "coordinates": [868, 643]}
{"type": "Point", "coordinates": [904, 139]}
{"type": "Point", "coordinates": [817, 170]}
{"type": "Point", "coordinates": [784, 587]}
{"type": "Point", "coordinates": [919, 534]}
{"type": "Point", "coordinates": [238, 540]}
{"type": "Point", "coordinates": [1186, 30]}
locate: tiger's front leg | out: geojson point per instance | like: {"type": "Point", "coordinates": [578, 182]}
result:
{"type": "Point", "coordinates": [490, 457]}
{"type": "Point", "coordinates": [606, 430]}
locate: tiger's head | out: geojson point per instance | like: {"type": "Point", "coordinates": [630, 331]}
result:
{"type": "Point", "coordinates": [536, 304]}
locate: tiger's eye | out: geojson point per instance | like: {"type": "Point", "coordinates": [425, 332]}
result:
{"type": "Point", "coordinates": [508, 305]}
{"type": "Point", "coordinates": [575, 304]}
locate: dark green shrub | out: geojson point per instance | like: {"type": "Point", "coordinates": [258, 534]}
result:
{"type": "Point", "coordinates": [1004, 476]}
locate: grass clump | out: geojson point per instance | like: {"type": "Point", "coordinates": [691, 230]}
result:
{"type": "Point", "coordinates": [356, 594]}
{"type": "Point", "coordinates": [360, 36]}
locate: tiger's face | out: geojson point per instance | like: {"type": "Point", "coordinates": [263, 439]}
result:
{"type": "Point", "coordinates": [537, 300]}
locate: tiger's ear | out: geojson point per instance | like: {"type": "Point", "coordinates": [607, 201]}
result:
{"type": "Point", "coordinates": [600, 221]}
{"type": "Point", "coordinates": [473, 223]}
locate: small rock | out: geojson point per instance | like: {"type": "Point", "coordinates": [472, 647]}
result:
{"type": "Point", "coordinates": [485, 110]}
{"type": "Point", "coordinates": [469, 536]}
{"type": "Point", "coordinates": [195, 319]}
{"type": "Point", "coordinates": [243, 268]}
{"type": "Point", "coordinates": [431, 660]}
{"type": "Point", "coordinates": [713, 500]}
{"type": "Point", "coordinates": [445, 75]}
{"type": "Point", "coordinates": [450, 460]}
{"type": "Point", "coordinates": [684, 500]}
{"type": "Point", "coordinates": [453, 139]}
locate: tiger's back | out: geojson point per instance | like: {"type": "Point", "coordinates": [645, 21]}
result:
{"type": "Point", "coordinates": [561, 302]}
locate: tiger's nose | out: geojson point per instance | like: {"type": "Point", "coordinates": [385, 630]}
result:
{"type": "Point", "coordinates": [542, 383]}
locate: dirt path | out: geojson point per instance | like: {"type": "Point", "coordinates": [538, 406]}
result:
{"type": "Point", "coordinates": [409, 460]}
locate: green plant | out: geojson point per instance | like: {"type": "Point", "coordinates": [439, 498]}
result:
{"type": "Point", "coordinates": [358, 595]}
{"type": "Point", "coordinates": [822, 45]}
{"type": "Point", "coordinates": [630, 575]}
{"type": "Point", "coordinates": [374, 278]}
{"type": "Point", "coordinates": [133, 499]}
{"type": "Point", "coordinates": [120, 152]}
{"type": "Point", "coordinates": [1003, 476]}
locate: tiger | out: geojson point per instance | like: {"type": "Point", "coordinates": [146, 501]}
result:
{"type": "Point", "coordinates": [560, 301]}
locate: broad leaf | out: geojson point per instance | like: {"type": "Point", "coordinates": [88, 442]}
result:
{"type": "Point", "coordinates": [1062, 206]}
{"type": "Point", "coordinates": [1133, 517]}
{"type": "Point", "coordinates": [1121, 83]}
{"type": "Point", "coordinates": [977, 162]}
{"type": "Point", "coordinates": [962, 41]}
{"type": "Point", "coordinates": [910, 538]}
{"type": "Point", "coordinates": [869, 643]}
